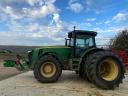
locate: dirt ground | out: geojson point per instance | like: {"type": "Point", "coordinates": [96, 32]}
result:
{"type": "Point", "coordinates": [6, 72]}
{"type": "Point", "coordinates": [69, 84]}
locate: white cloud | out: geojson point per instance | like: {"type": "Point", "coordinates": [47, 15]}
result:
{"type": "Point", "coordinates": [107, 21]}
{"type": "Point", "coordinates": [49, 1]}
{"type": "Point", "coordinates": [58, 22]}
{"type": "Point", "coordinates": [89, 4]}
{"type": "Point", "coordinates": [117, 19]}
{"type": "Point", "coordinates": [32, 2]}
{"type": "Point", "coordinates": [90, 19]}
{"type": "Point", "coordinates": [43, 23]}
{"type": "Point", "coordinates": [75, 6]}
{"type": "Point", "coordinates": [43, 11]}
{"type": "Point", "coordinates": [46, 8]}
{"type": "Point", "coordinates": [120, 17]}
{"type": "Point", "coordinates": [33, 27]}
{"type": "Point", "coordinates": [10, 11]}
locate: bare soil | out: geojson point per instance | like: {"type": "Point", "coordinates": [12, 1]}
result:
{"type": "Point", "coordinates": [69, 84]}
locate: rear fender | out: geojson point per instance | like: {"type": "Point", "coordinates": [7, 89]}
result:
{"type": "Point", "coordinates": [89, 51]}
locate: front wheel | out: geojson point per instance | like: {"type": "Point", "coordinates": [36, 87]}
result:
{"type": "Point", "coordinates": [105, 69]}
{"type": "Point", "coordinates": [48, 69]}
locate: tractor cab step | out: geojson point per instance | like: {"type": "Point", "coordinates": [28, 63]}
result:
{"type": "Point", "coordinates": [75, 63]}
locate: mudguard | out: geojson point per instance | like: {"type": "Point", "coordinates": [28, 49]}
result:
{"type": "Point", "coordinates": [89, 51]}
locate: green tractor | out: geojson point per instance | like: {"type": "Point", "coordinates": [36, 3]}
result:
{"type": "Point", "coordinates": [80, 54]}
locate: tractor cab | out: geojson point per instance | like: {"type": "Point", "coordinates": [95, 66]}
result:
{"type": "Point", "coordinates": [80, 40]}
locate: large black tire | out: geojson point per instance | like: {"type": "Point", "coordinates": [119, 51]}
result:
{"type": "Point", "coordinates": [41, 75]}
{"type": "Point", "coordinates": [112, 68]}
{"type": "Point", "coordinates": [81, 70]}
{"type": "Point", "coordinates": [86, 62]}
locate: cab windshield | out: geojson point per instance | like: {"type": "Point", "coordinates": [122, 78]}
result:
{"type": "Point", "coordinates": [84, 42]}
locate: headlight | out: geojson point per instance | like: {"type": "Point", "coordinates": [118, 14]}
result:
{"type": "Point", "coordinates": [30, 56]}
{"type": "Point", "coordinates": [29, 51]}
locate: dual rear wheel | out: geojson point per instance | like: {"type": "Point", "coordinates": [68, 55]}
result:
{"type": "Point", "coordinates": [104, 69]}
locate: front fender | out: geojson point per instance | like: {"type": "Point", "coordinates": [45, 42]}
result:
{"type": "Point", "coordinates": [34, 58]}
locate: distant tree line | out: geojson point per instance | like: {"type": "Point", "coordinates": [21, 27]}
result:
{"type": "Point", "coordinates": [120, 42]}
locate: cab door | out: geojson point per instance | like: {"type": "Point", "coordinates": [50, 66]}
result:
{"type": "Point", "coordinates": [82, 44]}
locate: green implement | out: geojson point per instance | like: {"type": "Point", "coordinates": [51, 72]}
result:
{"type": "Point", "coordinates": [20, 65]}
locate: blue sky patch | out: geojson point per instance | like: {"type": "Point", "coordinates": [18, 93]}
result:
{"type": "Point", "coordinates": [47, 22]}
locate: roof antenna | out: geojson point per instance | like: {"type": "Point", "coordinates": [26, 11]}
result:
{"type": "Point", "coordinates": [74, 28]}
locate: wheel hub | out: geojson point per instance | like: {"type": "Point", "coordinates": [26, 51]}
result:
{"type": "Point", "coordinates": [48, 69]}
{"type": "Point", "coordinates": [108, 69]}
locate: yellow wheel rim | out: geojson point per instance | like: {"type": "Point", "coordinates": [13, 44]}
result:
{"type": "Point", "coordinates": [48, 69]}
{"type": "Point", "coordinates": [108, 69]}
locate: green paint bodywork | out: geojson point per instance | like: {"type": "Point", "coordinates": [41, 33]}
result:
{"type": "Point", "coordinates": [62, 52]}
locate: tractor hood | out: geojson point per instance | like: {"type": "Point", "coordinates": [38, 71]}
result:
{"type": "Point", "coordinates": [53, 48]}
{"type": "Point", "coordinates": [43, 47]}
{"type": "Point", "coordinates": [62, 52]}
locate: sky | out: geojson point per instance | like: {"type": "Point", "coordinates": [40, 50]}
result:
{"type": "Point", "coordinates": [47, 22]}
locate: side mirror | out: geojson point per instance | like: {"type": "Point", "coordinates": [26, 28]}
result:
{"type": "Point", "coordinates": [67, 42]}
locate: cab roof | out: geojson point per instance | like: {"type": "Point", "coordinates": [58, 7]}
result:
{"type": "Point", "coordinates": [82, 32]}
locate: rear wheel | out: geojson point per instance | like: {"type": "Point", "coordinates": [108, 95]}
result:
{"type": "Point", "coordinates": [48, 69]}
{"type": "Point", "coordinates": [108, 69]}
{"type": "Point", "coordinates": [105, 69]}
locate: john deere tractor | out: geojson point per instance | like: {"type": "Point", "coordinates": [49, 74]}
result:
{"type": "Point", "coordinates": [80, 54]}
